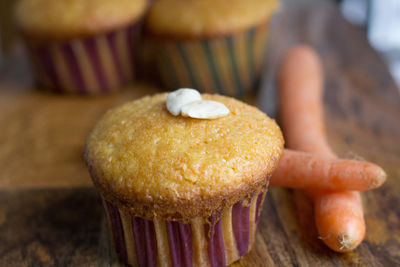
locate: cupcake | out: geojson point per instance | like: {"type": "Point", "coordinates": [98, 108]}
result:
{"type": "Point", "coordinates": [183, 177]}
{"type": "Point", "coordinates": [80, 46]}
{"type": "Point", "coordinates": [216, 46]}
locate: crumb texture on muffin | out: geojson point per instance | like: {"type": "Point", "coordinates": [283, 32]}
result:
{"type": "Point", "coordinates": [59, 19]}
{"type": "Point", "coordinates": [206, 18]}
{"type": "Point", "coordinates": [155, 164]}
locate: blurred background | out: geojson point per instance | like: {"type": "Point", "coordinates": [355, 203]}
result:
{"type": "Point", "coordinates": [380, 19]}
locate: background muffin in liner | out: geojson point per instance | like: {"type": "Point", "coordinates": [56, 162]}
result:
{"type": "Point", "coordinates": [215, 46]}
{"type": "Point", "coordinates": [179, 190]}
{"type": "Point", "coordinates": [80, 46]}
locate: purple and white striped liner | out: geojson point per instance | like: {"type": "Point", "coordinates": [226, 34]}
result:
{"type": "Point", "coordinates": [93, 65]}
{"type": "Point", "coordinates": [202, 242]}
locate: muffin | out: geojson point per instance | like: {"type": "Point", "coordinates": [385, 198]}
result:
{"type": "Point", "coordinates": [216, 46]}
{"type": "Point", "coordinates": [179, 190]}
{"type": "Point", "coordinates": [80, 46]}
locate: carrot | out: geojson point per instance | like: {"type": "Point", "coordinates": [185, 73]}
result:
{"type": "Point", "coordinates": [313, 171]}
{"type": "Point", "coordinates": [300, 85]}
{"type": "Point", "coordinates": [338, 215]}
{"type": "Point", "coordinates": [346, 233]}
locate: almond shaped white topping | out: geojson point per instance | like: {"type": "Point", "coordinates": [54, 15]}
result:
{"type": "Point", "coordinates": [204, 109]}
{"type": "Point", "coordinates": [177, 99]}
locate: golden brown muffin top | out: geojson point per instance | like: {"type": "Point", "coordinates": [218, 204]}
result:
{"type": "Point", "coordinates": [154, 164]}
{"type": "Point", "coordinates": [62, 19]}
{"type": "Point", "coordinates": [206, 18]}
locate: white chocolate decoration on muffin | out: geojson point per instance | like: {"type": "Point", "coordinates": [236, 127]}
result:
{"type": "Point", "coordinates": [177, 99]}
{"type": "Point", "coordinates": [188, 103]}
{"type": "Point", "coordinates": [205, 109]}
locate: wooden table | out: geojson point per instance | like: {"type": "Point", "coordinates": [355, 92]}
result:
{"type": "Point", "coordinates": [51, 215]}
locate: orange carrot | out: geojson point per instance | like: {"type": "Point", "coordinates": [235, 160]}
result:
{"type": "Point", "coordinates": [304, 170]}
{"type": "Point", "coordinates": [300, 85]}
{"type": "Point", "coordinates": [338, 215]}
{"type": "Point", "coordinates": [339, 219]}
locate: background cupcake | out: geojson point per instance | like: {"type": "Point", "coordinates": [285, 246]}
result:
{"type": "Point", "coordinates": [80, 46]}
{"type": "Point", "coordinates": [179, 190]}
{"type": "Point", "coordinates": [213, 45]}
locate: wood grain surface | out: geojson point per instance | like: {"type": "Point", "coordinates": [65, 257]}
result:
{"type": "Point", "coordinates": [51, 216]}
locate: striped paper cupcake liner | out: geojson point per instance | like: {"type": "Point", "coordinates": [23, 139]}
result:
{"type": "Point", "coordinates": [230, 65]}
{"type": "Point", "coordinates": [216, 241]}
{"type": "Point", "coordinates": [94, 65]}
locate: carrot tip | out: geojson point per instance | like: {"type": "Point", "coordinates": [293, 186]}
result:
{"type": "Point", "coordinates": [342, 243]}
{"type": "Point", "coordinates": [380, 179]}
{"type": "Point", "coordinates": [346, 242]}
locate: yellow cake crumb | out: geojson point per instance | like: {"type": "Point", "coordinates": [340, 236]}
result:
{"type": "Point", "coordinates": [156, 164]}
{"type": "Point", "coordinates": [205, 18]}
{"type": "Point", "coordinates": [59, 19]}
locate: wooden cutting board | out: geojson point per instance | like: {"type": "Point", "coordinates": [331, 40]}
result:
{"type": "Point", "coordinates": [51, 216]}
